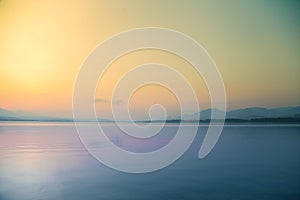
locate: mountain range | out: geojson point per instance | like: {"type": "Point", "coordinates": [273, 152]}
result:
{"type": "Point", "coordinates": [19, 115]}
{"type": "Point", "coordinates": [247, 113]}
{"type": "Point", "coordinates": [238, 114]}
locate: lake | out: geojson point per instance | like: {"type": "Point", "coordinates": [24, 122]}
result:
{"type": "Point", "coordinates": [46, 160]}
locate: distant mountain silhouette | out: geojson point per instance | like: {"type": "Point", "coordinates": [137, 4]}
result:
{"type": "Point", "coordinates": [247, 113]}
{"type": "Point", "coordinates": [250, 113]}
{"type": "Point", "coordinates": [256, 114]}
{"type": "Point", "coordinates": [203, 115]}
{"type": "Point", "coordinates": [7, 115]}
{"type": "Point", "coordinates": [17, 113]}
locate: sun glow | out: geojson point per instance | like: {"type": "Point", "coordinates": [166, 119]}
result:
{"type": "Point", "coordinates": [44, 43]}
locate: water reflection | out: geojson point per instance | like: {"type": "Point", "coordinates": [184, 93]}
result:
{"type": "Point", "coordinates": [249, 162]}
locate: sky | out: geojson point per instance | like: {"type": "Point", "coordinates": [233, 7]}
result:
{"type": "Point", "coordinates": [255, 44]}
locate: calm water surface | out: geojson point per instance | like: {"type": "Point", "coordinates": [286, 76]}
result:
{"type": "Point", "coordinates": [48, 161]}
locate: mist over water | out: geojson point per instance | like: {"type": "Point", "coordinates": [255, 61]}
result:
{"type": "Point", "coordinates": [47, 161]}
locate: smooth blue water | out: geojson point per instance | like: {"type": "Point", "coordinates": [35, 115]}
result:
{"type": "Point", "coordinates": [48, 161]}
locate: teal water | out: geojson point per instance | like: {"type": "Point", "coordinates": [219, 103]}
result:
{"type": "Point", "coordinates": [48, 161]}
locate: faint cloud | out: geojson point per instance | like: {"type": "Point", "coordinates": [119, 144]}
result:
{"type": "Point", "coordinates": [105, 101]}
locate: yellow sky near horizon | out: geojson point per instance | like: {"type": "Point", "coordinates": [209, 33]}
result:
{"type": "Point", "coordinates": [255, 44]}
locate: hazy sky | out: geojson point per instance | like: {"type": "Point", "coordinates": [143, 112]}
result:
{"type": "Point", "coordinates": [255, 44]}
